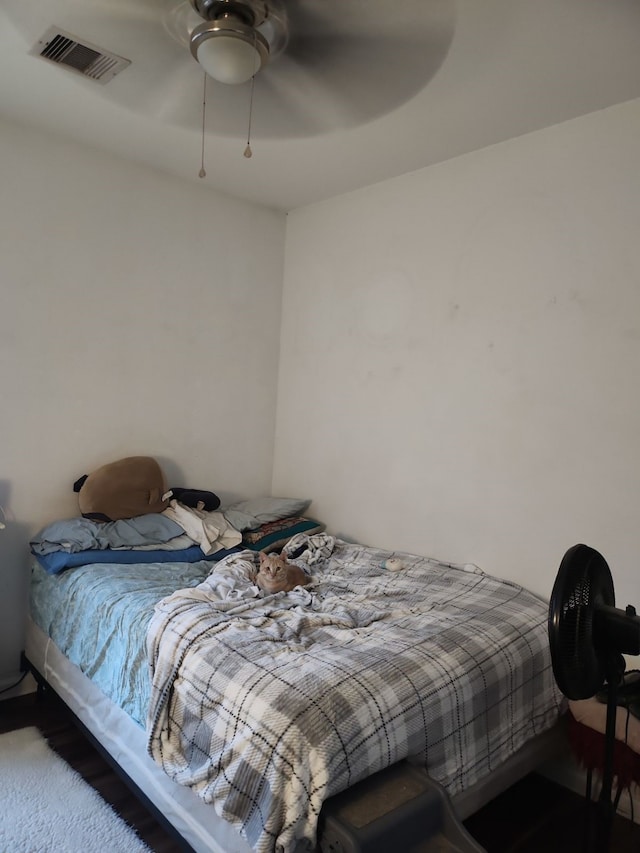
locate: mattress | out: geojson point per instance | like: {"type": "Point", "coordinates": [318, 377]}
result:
{"type": "Point", "coordinates": [123, 743]}
{"type": "Point", "coordinates": [93, 621]}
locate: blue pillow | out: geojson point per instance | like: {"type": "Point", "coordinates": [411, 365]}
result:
{"type": "Point", "coordinates": [82, 534]}
{"type": "Point", "coordinates": [58, 561]}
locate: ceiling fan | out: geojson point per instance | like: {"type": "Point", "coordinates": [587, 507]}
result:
{"type": "Point", "coordinates": [316, 65]}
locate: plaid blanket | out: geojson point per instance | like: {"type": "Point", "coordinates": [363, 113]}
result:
{"type": "Point", "coordinates": [266, 706]}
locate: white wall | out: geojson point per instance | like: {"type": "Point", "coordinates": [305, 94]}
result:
{"type": "Point", "coordinates": [138, 315]}
{"type": "Point", "coordinates": [460, 356]}
{"type": "Point", "coordinates": [460, 347]}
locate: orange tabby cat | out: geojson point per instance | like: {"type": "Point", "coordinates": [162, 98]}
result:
{"type": "Point", "coordinates": [276, 575]}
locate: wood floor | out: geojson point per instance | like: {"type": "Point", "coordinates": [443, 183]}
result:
{"type": "Point", "coordinates": [535, 816]}
{"type": "Point", "coordinates": [539, 816]}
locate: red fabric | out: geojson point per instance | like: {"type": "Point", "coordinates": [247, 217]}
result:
{"type": "Point", "coordinates": [588, 746]}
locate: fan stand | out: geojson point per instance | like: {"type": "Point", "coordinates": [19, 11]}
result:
{"type": "Point", "coordinates": [598, 841]}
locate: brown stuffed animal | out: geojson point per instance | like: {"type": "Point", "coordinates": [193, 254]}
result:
{"type": "Point", "coordinates": [123, 489]}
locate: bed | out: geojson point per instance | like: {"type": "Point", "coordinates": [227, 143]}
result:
{"type": "Point", "coordinates": [238, 714]}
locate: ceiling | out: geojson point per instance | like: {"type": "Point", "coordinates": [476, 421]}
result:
{"type": "Point", "coordinates": [443, 78]}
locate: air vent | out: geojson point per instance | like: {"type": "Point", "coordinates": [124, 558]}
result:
{"type": "Point", "coordinates": [80, 56]}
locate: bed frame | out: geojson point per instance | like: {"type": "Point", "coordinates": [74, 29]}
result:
{"type": "Point", "coordinates": [195, 824]}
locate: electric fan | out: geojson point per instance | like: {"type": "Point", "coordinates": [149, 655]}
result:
{"type": "Point", "coordinates": [588, 636]}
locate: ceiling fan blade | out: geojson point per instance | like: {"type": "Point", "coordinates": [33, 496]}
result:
{"type": "Point", "coordinates": [179, 20]}
{"type": "Point", "coordinates": [346, 61]}
{"type": "Point", "coordinates": [367, 56]}
{"type": "Point", "coordinates": [352, 16]}
{"type": "Point", "coordinates": [364, 73]}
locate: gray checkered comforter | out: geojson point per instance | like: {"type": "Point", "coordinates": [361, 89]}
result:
{"type": "Point", "coordinates": [266, 706]}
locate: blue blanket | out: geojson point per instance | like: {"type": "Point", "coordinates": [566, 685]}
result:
{"type": "Point", "coordinates": [99, 620]}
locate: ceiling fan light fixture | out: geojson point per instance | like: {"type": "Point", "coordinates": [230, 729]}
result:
{"type": "Point", "coordinates": [229, 50]}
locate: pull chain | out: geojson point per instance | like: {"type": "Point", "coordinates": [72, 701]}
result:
{"type": "Point", "coordinates": [247, 151]}
{"type": "Point", "coordinates": [202, 173]}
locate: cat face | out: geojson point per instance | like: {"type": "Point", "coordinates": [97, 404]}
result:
{"type": "Point", "coordinates": [276, 575]}
{"type": "Point", "coordinates": [272, 566]}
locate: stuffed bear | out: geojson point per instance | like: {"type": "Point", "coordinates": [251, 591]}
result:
{"type": "Point", "coordinates": [134, 486]}
{"type": "Point", "coordinates": [123, 489]}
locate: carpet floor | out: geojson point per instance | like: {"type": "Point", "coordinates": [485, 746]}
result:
{"type": "Point", "coordinates": [53, 720]}
{"type": "Point", "coordinates": [534, 816]}
{"type": "Point", "coordinates": [45, 805]}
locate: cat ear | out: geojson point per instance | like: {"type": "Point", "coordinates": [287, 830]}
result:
{"type": "Point", "coordinates": [263, 557]}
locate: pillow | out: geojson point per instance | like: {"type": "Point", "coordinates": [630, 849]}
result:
{"type": "Point", "coordinates": [248, 515]}
{"type": "Point", "coordinates": [274, 535]}
{"type": "Point", "coordinates": [57, 561]}
{"type": "Point", "coordinates": [124, 489]}
{"type": "Point", "coordinates": [81, 534]}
